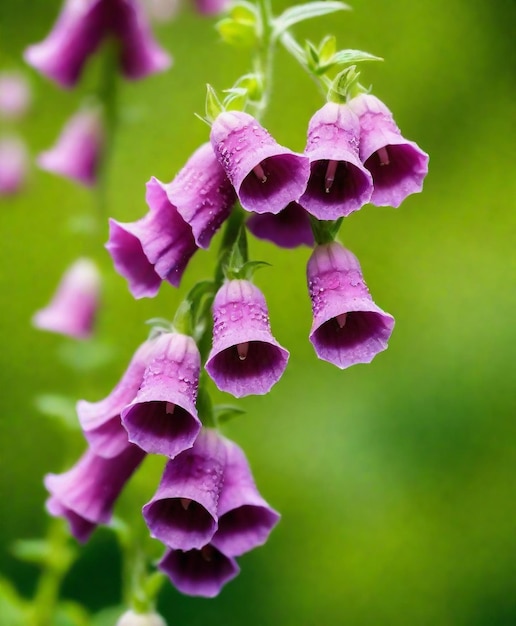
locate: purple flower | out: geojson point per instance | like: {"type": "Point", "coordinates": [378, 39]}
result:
{"type": "Point", "coordinates": [398, 166]}
{"type": "Point", "coordinates": [78, 151]}
{"type": "Point", "coordinates": [211, 7]}
{"type": "Point", "coordinates": [13, 165]}
{"type": "Point", "coordinates": [288, 229]}
{"type": "Point", "coordinates": [245, 358]}
{"type": "Point", "coordinates": [85, 495]}
{"type": "Point", "coordinates": [202, 194]}
{"type": "Point", "coordinates": [82, 26]}
{"type": "Point", "coordinates": [74, 305]}
{"type": "Point", "coordinates": [162, 418]}
{"type": "Point", "coordinates": [100, 420]}
{"type": "Point", "coordinates": [339, 184]}
{"type": "Point", "coordinates": [347, 327]}
{"type": "Point", "coordinates": [183, 512]}
{"type": "Point", "coordinates": [157, 247]}
{"type": "Point", "coordinates": [199, 572]}
{"type": "Point", "coordinates": [14, 95]}
{"type": "Point", "coordinates": [245, 518]}
{"type": "Point", "coordinates": [265, 175]}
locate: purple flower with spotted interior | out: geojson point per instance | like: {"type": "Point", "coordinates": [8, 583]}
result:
{"type": "Point", "coordinates": [348, 327]}
{"type": "Point", "coordinates": [155, 248]}
{"type": "Point", "coordinates": [265, 175]}
{"type": "Point", "coordinates": [245, 358]}
{"type": "Point", "coordinates": [78, 151]}
{"type": "Point", "coordinates": [245, 520]}
{"type": "Point", "coordinates": [398, 166]}
{"type": "Point", "coordinates": [86, 494]}
{"type": "Point", "coordinates": [80, 29]}
{"type": "Point", "coordinates": [287, 229]}
{"type": "Point", "coordinates": [183, 512]}
{"type": "Point", "coordinates": [199, 572]}
{"type": "Point", "coordinates": [339, 184]}
{"type": "Point", "coordinates": [100, 420]}
{"type": "Point", "coordinates": [162, 418]}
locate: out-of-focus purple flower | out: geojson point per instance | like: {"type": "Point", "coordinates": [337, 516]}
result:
{"type": "Point", "coordinates": [14, 95]}
{"type": "Point", "coordinates": [85, 495]}
{"type": "Point", "coordinates": [339, 184]}
{"type": "Point", "coordinates": [13, 165]}
{"type": "Point", "coordinates": [155, 248]}
{"type": "Point", "coordinates": [211, 7]}
{"type": "Point", "coordinates": [130, 618]}
{"type": "Point", "coordinates": [78, 151]}
{"type": "Point", "coordinates": [288, 229]}
{"type": "Point", "coordinates": [161, 10]}
{"type": "Point", "coordinates": [162, 418]}
{"type": "Point", "coordinates": [183, 512]}
{"type": "Point", "coordinates": [202, 194]}
{"type": "Point", "coordinates": [82, 26]}
{"type": "Point", "coordinates": [398, 166]}
{"type": "Point", "coordinates": [245, 518]}
{"type": "Point", "coordinates": [265, 175]}
{"type": "Point", "coordinates": [347, 326]}
{"type": "Point", "coordinates": [100, 420]}
{"type": "Point", "coordinates": [199, 572]}
{"type": "Point", "coordinates": [245, 358]}
{"type": "Point", "coordinates": [72, 309]}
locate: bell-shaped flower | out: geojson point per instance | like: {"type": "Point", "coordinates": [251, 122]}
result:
{"type": "Point", "coordinates": [73, 308]}
{"type": "Point", "coordinates": [100, 420]}
{"type": "Point", "coordinates": [287, 229]}
{"type": "Point", "coordinates": [86, 494]}
{"type": "Point", "coordinates": [183, 512]}
{"type": "Point", "coordinates": [202, 194]}
{"type": "Point", "coordinates": [339, 184]}
{"type": "Point", "coordinates": [13, 165]}
{"type": "Point", "coordinates": [398, 166]}
{"type": "Point", "coordinates": [347, 326]}
{"type": "Point", "coordinates": [78, 152]}
{"type": "Point", "coordinates": [265, 175]}
{"type": "Point", "coordinates": [14, 95]}
{"type": "Point", "coordinates": [199, 572]}
{"type": "Point", "coordinates": [155, 248]}
{"type": "Point", "coordinates": [245, 518]}
{"type": "Point", "coordinates": [162, 418]}
{"type": "Point", "coordinates": [79, 31]}
{"type": "Point", "coordinates": [245, 358]}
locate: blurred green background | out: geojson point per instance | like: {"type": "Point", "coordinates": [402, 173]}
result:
{"type": "Point", "coordinates": [396, 480]}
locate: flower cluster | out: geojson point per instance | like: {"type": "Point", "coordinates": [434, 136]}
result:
{"type": "Point", "coordinates": [207, 510]}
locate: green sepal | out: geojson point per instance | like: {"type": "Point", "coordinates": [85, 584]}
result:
{"type": "Point", "coordinates": [343, 85]}
{"type": "Point", "coordinates": [224, 412]}
{"type": "Point", "coordinates": [238, 256]}
{"type": "Point", "coordinates": [248, 269]}
{"type": "Point", "coordinates": [236, 99]}
{"type": "Point", "coordinates": [325, 231]}
{"type": "Point", "coordinates": [240, 34]}
{"type": "Point", "coordinates": [327, 49]}
{"type": "Point", "coordinates": [213, 106]}
{"type": "Point", "coordinates": [159, 325]}
{"type": "Point", "coordinates": [302, 12]}
{"type": "Point", "coordinates": [312, 56]}
{"type": "Point", "coordinates": [60, 408]}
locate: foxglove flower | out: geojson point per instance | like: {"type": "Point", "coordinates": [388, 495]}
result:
{"type": "Point", "coordinates": [80, 29]}
{"type": "Point", "coordinates": [265, 175]}
{"type": "Point", "coordinates": [13, 165]}
{"type": "Point", "coordinates": [347, 326]}
{"type": "Point", "coordinates": [288, 229]}
{"type": "Point", "coordinates": [245, 358]}
{"type": "Point", "coordinates": [85, 495]}
{"type": "Point", "coordinates": [100, 420]}
{"type": "Point", "coordinates": [398, 166]}
{"type": "Point", "coordinates": [78, 151]}
{"type": "Point", "coordinates": [202, 194]}
{"type": "Point", "coordinates": [162, 418]}
{"type": "Point", "coordinates": [183, 512]}
{"type": "Point", "coordinates": [339, 184]}
{"type": "Point", "coordinates": [14, 95]}
{"type": "Point", "coordinates": [199, 572]}
{"type": "Point", "coordinates": [73, 308]}
{"type": "Point", "coordinates": [130, 618]}
{"type": "Point", "coordinates": [245, 518]}
{"type": "Point", "coordinates": [155, 248]}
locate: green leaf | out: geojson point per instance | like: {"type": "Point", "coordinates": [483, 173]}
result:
{"type": "Point", "coordinates": [327, 49]}
{"type": "Point", "coordinates": [58, 407]}
{"type": "Point", "coordinates": [213, 107]}
{"type": "Point", "coordinates": [312, 55]}
{"type": "Point", "coordinates": [224, 412]}
{"type": "Point", "coordinates": [345, 57]}
{"type": "Point", "coordinates": [302, 12]}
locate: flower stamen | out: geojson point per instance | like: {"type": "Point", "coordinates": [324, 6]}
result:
{"type": "Point", "coordinates": [243, 349]}
{"type": "Point", "coordinates": [170, 408]}
{"type": "Point", "coordinates": [383, 155]}
{"type": "Point", "coordinates": [330, 175]}
{"type": "Point", "coordinates": [185, 503]}
{"type": "Point", "coordinates": [259, 173]}
{"type": "Point", "coordinates": [341, 319]}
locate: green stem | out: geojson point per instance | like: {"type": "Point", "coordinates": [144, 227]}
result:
{"type": "Point", "coordinates": [264, 60]}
